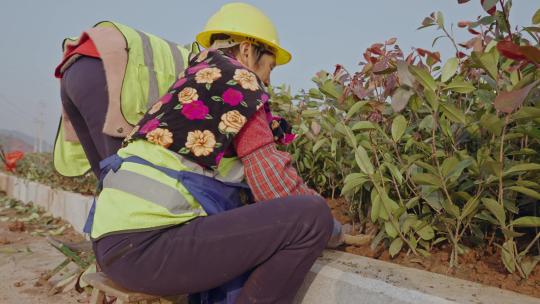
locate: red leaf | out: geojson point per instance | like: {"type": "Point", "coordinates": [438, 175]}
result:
{"type": "Point", "coordinates": [435, 56]}
{"type": "Point", "coordinates": [340, 74]}
{"type": "Point", "coordinates": [357, 87]}
{"type": "Point", "coordinates": [382, 67]}
{"type": "Point", "coordinates": [366, 56]}
{"type": "Point", "coordinates": [507, 102]}
{"type": "Point", "coordinates": [531, 53]}
{"type": "Point", "coordinates": [369, 58]}
{"type": "Point", "coordinates": [463, 23]}
{"type": "Point", "coordinates": [338, 69]}
{"type": "Point", "coordinates": [472, 31]}
{"type": "Point", "coordinates": [376, 49]}
{"type": "Point", "coordinates": [391, 41]}
{"type": "Point", "coordinates": [410, 58]}
{"type": "Point", "coordinates": [427, 21]}
{"type": "Point", "coordinates": [460, 55]}
{"type": "Point", "coordinates": [421, 52]}
{"type": "Point", "coordinates": [490, 10]}
{"type": "Point", "coordinates": [510, 50]}
{"type": "Point", "coordinates": [390, 85]}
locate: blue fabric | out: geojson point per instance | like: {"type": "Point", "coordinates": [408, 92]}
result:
{"type": "Point", "coordinates": [214, 196]}
{"type": "Point", "coordinates": [224, 294]}
{"type": "Point", "coordinates": [112, 162]}
{"type": "Point", "coordinates": [90, 219]}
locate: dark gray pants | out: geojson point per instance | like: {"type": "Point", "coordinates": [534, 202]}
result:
{"type": "Point", "coordinates": [279, 240]}
{"type": "Point", "coordinates": [85, 99]}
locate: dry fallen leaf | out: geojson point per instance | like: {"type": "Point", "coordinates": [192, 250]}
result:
{"type": "Point", "coordinates": [17, 226]}
{"type": "Point", "coordinates": [18, 284]}
{"type": "Point", "coordinates": [357, 240]}
{"type": "Point", "coordinates": [8, 250]}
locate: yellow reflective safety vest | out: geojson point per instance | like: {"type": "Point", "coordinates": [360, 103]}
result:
{"type": "Point", "coordinates": [138, 197]}
{"type": "Point", "coordinates": [153, 64]}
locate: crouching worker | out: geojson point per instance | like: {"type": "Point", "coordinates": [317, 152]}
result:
{"type": "Point", "coordinates": [166, 221]}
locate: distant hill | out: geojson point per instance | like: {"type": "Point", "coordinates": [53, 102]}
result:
{"type": "Point", "coordinates": [16, 140]}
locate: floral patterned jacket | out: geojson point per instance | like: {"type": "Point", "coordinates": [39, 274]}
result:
{"type": "Point", "coordinates": [204, 110]}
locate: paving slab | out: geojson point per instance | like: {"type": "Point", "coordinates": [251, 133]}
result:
{"type": "Point", "coordinates": [340, 277]}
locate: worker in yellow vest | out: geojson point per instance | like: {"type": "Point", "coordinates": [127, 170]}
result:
{"type": "Point", "coordinates": [199, 199]}
{"type": "Point", "coordinates": [109, 77]}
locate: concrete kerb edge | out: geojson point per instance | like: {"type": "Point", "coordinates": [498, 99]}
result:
{"type": "Point", "coordinates": [71, 207]}
{"type": "Point", "coordinates": [336, 277]}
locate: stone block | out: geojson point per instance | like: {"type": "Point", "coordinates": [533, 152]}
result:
{"type": "Point", "coordinates": [76, 210]}
{"type": "Point", "coordinates": [31, 192]}
{"type": "Point", "coordinates": [57, 203]}
{"type": "Point", "coordinates": [43, 196]}
{"type": "Point", "coordinates": [3, 181]}
{"type": "Point", "coordinates": [339, 277]}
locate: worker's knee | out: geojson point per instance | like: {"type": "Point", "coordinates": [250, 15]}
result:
{"type": "Point", "coordinates": [316, 214]}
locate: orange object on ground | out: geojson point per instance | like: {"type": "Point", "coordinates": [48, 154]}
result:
{"type": "Point", "coordinates": [10, 163]}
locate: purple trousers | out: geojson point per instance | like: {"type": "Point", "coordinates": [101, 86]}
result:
{"type": "Point", "coordinates": [278, 240]}
{"type": "Point", "coordinates": [85, 99]}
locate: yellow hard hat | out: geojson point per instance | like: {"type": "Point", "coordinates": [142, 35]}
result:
{"type": "Point", "coordinates": [241, 19]}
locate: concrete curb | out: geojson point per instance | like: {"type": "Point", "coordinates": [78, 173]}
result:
{"type": "Point", "coordinates": [340, 277]}
{"type": "Point", "coordinates": [336, 277]}
{"type": "Point", "coordinates": [72, 207]}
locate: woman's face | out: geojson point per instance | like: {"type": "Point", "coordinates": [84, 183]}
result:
{"type": "Point", "coordinates": [263, 68]}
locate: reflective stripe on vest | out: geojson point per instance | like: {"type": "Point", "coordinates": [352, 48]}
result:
{"type": "Point", "coordinates": [148, 55]}
{"type": "Point", "coordinates": [136, 196]}
{"type": "Point", "coordinates": [153, 191]}
{"type": "Point", "coordinates": [152, 68]}
{"type": "Point", "coordinates": [164, 195]}
{"type": "Point", "coordinates": [177, 55]}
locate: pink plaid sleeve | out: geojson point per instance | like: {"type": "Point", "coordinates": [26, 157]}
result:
{"type": "Point", "coordinates": [268, 171]}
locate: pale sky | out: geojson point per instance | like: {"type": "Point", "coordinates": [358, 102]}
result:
{"type": "Point", "coordinates": [319, 34]}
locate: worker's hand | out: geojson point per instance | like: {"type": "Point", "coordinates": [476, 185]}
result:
{"type": "Point", "coordinates": [337, 238]}
{"type": "Point", "coordinates": [281, 130]}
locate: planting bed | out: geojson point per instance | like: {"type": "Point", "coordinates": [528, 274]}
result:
{"type": "Point", "coordinates": [482, 266]}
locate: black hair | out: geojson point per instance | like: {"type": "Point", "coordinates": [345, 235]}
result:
{"type": "Point", "coordinates": [259, 49]}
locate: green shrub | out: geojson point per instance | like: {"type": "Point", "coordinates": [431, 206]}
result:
{"type": "Point", "coordinates": [39, 167]}
{"type": "Point", "coordinates": [432, 152]}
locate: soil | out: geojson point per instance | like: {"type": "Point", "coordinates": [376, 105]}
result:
{"type": "Point", "coordinates": [479, 265]}
{"type": "Point", "coordinates": [26, 257]}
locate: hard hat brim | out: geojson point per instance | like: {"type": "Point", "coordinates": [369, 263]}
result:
{"type": "Point", "coordinates": [282, 55]}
